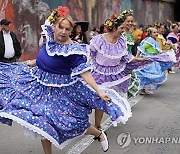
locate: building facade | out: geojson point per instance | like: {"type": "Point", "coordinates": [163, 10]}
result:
{"type": "Point", "coordinates": [27, 15]}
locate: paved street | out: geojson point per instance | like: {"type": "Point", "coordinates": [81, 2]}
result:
{"type": "Point", "coordinates": [154, 128]}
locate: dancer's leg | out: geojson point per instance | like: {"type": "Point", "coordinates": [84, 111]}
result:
{"type": "Point", "coordinates": [98, 118]}
{"type": "Point", "coordinates": [46, 144]}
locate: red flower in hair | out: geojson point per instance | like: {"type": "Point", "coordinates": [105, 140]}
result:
{"type": "Point", "coordinates": [112, 17]}
{"type": "Point", "coordinates": [62, 11]}
{"type": "Point", "coordinates": [59, 12]}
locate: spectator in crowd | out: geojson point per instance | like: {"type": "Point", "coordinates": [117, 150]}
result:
{"type": "Point", "coordinates": [10, 48]}
{"type": "Point", "coordinates": [137, 38]}
{"type": "Point", "coordinates": [78, 34]}
{"type": "Point", "coordinates": [174, 39]}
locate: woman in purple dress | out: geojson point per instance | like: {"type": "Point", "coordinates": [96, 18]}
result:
{"type": "Point", "coordinates": [112, 64]}
{"type": "Point", "coordinates": [49, 99]}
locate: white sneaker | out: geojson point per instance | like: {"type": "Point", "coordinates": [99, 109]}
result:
{"type": "Point", "coordinates": [148, 92]}
{"type": "Point", "coordinates": [171, 72]}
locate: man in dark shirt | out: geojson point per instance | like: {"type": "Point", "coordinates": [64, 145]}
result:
{"type": "Point", "coordinates": [10, 48]}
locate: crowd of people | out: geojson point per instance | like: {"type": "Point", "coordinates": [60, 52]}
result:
{"type": "Point", "coordinates": [53, 95]}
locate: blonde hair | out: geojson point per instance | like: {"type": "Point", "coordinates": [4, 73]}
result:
{"type": "Point", "coordinates": [150, 30]}
{"type": "Point", "coordinates": [68, 18]}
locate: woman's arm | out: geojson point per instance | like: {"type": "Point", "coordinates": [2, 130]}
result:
{"type": "Point", "coordinates": [90, 80]}
{"type": "Point", "coordinates": [138, 53]}
{"type": "Point", "coordinates": [31, 63]}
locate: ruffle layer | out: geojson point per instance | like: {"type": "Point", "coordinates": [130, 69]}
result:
{"type": "Point", "coordinates": [152, 86]}
{"type": "Point", "coordinates": [113, 76]}
{"type": "Point", "coordinates": [153, 75]}
{"type": "Point", "coordinates": [53, 48]}
{"type": "Point", "coordinates": [122, 103]}
{"type": "Point", "coordinates": [163, 57]}
{"type": "Point", "coordinates": [115, 118]}
{"type": "Point", "coordinates": [108, 50]}
{"type": "Point", "coordinates": [80, 69]}
{"type": "Point", "coordinates": [107, 70]}
{"type": "Point", "coordinates": [172, 55]}
{"type": "Point", "coordinates": [108, 81]}
{"type": "Point", "coordinates": [42, 109]}
{"type": "Point", "coordinates": [31, 127]}
{"type": "Point", "coordinates": [52, 80]}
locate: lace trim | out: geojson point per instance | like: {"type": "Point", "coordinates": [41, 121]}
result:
{"type": "Point", "coordinates": [114, 83]}
{"type": "Point", "coordinates": [116, 98]}
{"type": "Point", "coordinates": [99, 39]}
{"type": "Point", "coordinates": [39, 131]}
{"type": "Point", "coordinates": [153, 86]}
{"type": "Point", "coordinates": [74, 80]}
{"type": "Point", "coordinates": [109, 56]}
{"type": "Point", "coordinates": [114, 70]}
{"type": "Point", "coordinates": [31, 127]}
{"type": "Point", "coordinates": [80, 69]}
{"type": "Point", "coordinates": [127, 112]}
{"type": "Point", "coordinates": [126, 109]}
{"type": "Point", "coordinates": [64, 49]}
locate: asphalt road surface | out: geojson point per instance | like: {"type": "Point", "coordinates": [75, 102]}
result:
{"type": "Point", "coordinates": [154, 128]}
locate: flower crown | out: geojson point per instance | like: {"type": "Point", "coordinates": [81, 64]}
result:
{"type": "Point", "coordinates": [59, 12]}
{"type": "Point", "coordinates": [126, 13]}
{"type": "Point", "coordinates": [157, 24]}
{"type": "Point", "coordinates": [109, 23]}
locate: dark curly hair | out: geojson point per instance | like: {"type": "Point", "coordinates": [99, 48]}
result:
{"type": "Point", "coordinates": [113, 22]}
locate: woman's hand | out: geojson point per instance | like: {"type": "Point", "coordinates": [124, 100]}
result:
{"type": "Point", "coordinates": [143, 59]}
{"type": "Point", "coordinates": [104, 96]}
{"type": "Point", "coordinates": [90, 80]}
{"type": "Point", "coordinates": [136, 59]}
{"type": "Point", "coordinates": [31, 63]}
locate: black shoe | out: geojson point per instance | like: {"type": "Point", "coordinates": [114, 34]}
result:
{"type": "Point", "coordinates": [99, 128]}
{"type": "Point", "coordinates": [96, 138]}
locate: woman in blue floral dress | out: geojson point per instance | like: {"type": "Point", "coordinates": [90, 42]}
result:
{"type": "Point", "coordinates": [49, 99]}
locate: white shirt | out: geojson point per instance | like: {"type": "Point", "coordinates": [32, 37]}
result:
{"type": "Point", "coordinates": [9, 49]}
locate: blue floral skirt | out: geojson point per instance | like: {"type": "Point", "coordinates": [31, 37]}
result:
{"type": "Point", "coordinates": [58, 113]}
